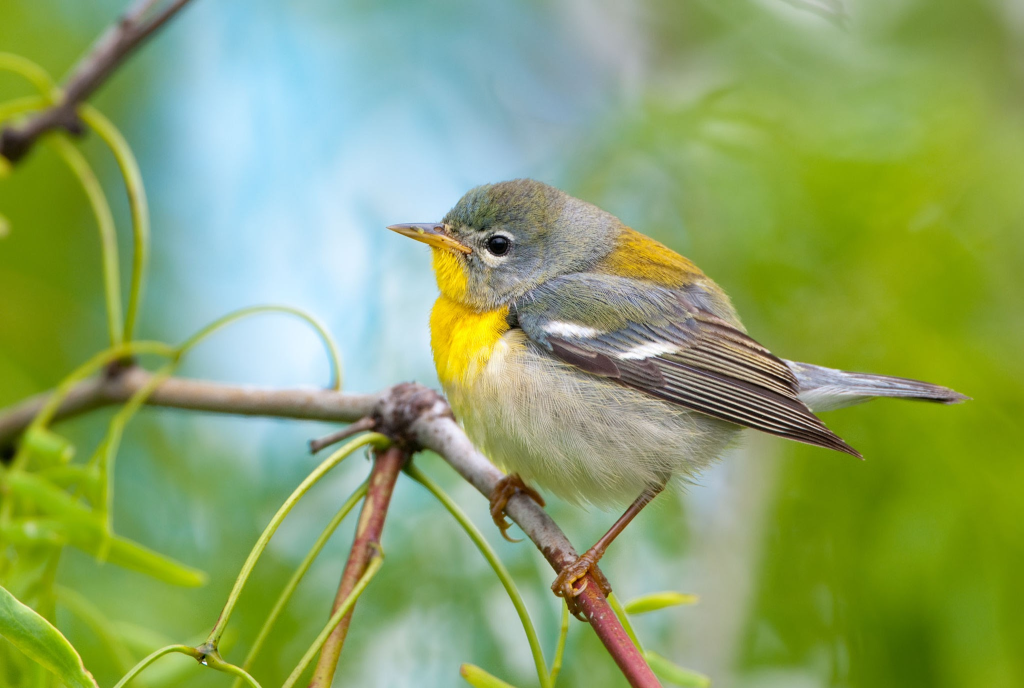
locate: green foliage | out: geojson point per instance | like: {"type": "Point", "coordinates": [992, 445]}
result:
{"type": "Point", "coordinates": [47, 447]}
{"type": "Point", "coordinates": [658, 600]}
{"type": "Point", "coordinates": [42, 511]}
{"type": "Point", "coordinates": [30, 633]}
{"type": "Point", "coordinates": [478, 678]}
{"type": "Point", "coordinates": [855, 190]}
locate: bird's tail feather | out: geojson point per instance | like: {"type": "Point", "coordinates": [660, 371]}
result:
{"type": "Point", "coordinates": [825, 389]}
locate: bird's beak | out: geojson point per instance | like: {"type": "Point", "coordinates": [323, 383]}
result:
{"type": "Point", "coordinates": [431, 233]}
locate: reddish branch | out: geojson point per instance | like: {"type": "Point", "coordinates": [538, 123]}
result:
{"type": "Point", "coordinates": [386, 467]}
{"type": "Point", "coordinates": [408, 411]}
{"type": "Point", "coordinates": [108, 53]}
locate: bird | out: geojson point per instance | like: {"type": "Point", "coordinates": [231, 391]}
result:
{"type": "Point", "coordinates": [593, 362]}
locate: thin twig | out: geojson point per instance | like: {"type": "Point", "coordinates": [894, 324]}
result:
{"type": "Point", "coordinates": [107, 54]}
{"type": "Point", "coordinates": [362, 425]}
{"type": "Point", "coordinates": [406, 410]}
{"type": "Point", "coordinates": [386, 467]}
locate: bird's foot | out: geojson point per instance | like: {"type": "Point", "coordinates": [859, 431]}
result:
{"type": "Point", "coordinates": [506, 488]}
{"type": "Point", "coordinates": [565, 584]}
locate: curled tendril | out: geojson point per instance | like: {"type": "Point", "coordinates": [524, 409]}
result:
{"type": "Point", "coordinates": [312, 479]}
{"type": "Point", "coordinates": [298, 575]}
{"type": "Point", "coordinates": [325, 336]}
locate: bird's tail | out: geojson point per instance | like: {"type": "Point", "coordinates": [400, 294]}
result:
{"type": "Point", "coordinates": [825, 389]}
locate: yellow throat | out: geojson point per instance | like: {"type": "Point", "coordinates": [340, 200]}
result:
{"type": "Point", "coordinates": [461, 337]}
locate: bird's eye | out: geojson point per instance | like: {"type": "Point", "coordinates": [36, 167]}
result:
{"type": "Point", "coordinates": [498, 245]}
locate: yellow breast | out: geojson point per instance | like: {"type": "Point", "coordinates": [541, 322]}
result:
{"type": "Point", "coordinates": [463, 340]}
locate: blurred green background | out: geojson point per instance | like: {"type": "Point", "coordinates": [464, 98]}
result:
{"type": "Point", "coordinates": [855, 184]}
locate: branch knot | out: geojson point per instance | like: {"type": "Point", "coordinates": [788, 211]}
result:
{"type": "Point", "coordinates": [404, 405]}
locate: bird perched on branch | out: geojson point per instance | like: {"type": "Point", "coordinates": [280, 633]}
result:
{"type": "Point", "coordinates": [592, 361]}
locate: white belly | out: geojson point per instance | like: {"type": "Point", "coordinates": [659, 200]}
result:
{"type": "Point", "coordinates": [584, 438]}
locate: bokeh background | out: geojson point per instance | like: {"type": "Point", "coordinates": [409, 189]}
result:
{"type": "Point", "coordinates": [852, 178]}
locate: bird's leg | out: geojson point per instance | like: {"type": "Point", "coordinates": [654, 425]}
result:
{"type": "Point", "coordinates": [506, 488]}
{"type": "Point", "coordinates": [565, 583]}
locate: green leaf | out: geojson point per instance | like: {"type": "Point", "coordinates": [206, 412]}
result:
{"type": "Point", "coordinates": [478, 678]}
{"type": "Point", "coordinates": [33, 531]}
{"type": "Point", "coordinates": [675, 674]}
{"type": "Point", "coordinates": [48, 447]}
{"type": "Point", "coordinates": [82, 528]}
{"type": "Point", "coordinates": [131, 555]}
{"type": "Point", "coordinates": [50, 498]}
{"type": "Point", "coordinates": [85, 478]}
{"type": "Point", "coordinates": [658, 600]}
{"type": "Point", "coordinates": [37, 638]}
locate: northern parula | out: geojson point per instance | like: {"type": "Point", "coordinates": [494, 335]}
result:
{"type": "Point", "coordinates": [588, 359]}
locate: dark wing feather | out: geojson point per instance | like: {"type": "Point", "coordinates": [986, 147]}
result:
{"type": "Point", "coordinates": [702, 362]}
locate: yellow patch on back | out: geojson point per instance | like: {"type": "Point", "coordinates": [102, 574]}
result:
{"type": "Point", "coordinates": [641, 257]}
{"type": "Point", "coordinates": [463, 339]}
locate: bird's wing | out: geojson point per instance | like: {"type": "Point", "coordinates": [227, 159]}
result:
{"type": "Point", "coordinates": [667, 343]}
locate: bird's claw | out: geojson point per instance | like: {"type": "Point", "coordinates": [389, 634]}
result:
{"type": "Point", "coordinates": [565, 584]}
{"type": "Point", "coordinates": [506, 488]}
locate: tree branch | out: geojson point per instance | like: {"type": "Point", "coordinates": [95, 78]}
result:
{"type": "Point", "coordinates": [386, 467]}
{"type": "Point", "coordinates": [194, 395]}
{"type": "Point", "coordinates": [408, 412]}
{"type": "Point", "coordinates": [107, 54]}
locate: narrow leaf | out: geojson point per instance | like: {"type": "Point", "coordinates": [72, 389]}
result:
{"type": "Point", "coordinates": [32, 531]}
{"type": "Point", "coordinates": [675, 674]}
{"type": "Point", "coordinates": [658, 600]}
{"type": "Point", "coordinates": [131, 555]}
{"type": "Point", "coordinates": [478, 678]}
{"type": "Point", "coordinates": [82, 528]}
{"type": "Point", "coordinates": [50, 498]}
{"type": "Point", "coordinates": [40, 640]}
{"type": "Point", "coordinates": [84, 478]}
{"type": "Point", "coordinates": [48, 447]}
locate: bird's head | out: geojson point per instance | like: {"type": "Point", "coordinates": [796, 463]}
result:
{"type": "Point", "coordinates": [502, 240]}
